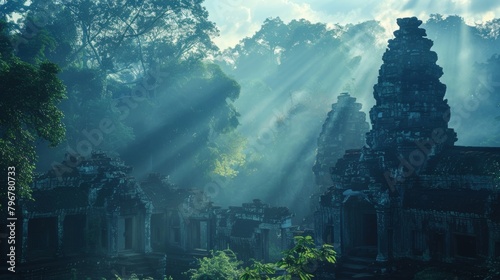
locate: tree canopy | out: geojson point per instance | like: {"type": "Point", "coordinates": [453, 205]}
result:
{"type": "Point", "coordinates": [28, 111]}
{"type": "Point", "coordinates": [138, 82]}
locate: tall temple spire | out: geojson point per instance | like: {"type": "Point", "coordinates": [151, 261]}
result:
{"type": "Point", "coordinates": [409, 96]}
{"type": "Point", "coordinates": [344, 128]}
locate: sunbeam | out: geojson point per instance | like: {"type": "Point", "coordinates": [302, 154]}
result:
{"type": "Point", "coordinates": [231, 139]}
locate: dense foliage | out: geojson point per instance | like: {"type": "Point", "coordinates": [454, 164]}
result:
{"type": "Point", "coordinates": [220, 265]}
{"type": "Point", "coordinates": [28, 111]}
{"type": "Point", "coordinates": [300, 261]}
{"type": "Point", "coordinates": [138, 84]}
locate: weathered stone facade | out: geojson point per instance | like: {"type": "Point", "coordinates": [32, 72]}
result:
{"type": "Point", "coordinates": [253, 228]}
{"type": "Point", "coordinates": [411, 193]}
{"type": "Point", "coordinates": [94, 213]}
{"type": "Point", "coordinates": [99, 220]}
{"type": "Point", "coordinates": [344, 128]}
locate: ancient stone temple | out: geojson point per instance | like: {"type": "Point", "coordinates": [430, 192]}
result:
{"type": "Point", "coordinates": [344, 128]}
{"type": "Point", "coordinates": [95, 220]}
{"type": "Point", "coordinates": [411, 193]}
{"type": "Point", "coordinates": [255, 230]}
{"type": "Point", "coordinates": [87, 220]}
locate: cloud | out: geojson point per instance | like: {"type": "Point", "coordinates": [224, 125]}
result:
{"type": "Point", "coordinates": [237, 19]}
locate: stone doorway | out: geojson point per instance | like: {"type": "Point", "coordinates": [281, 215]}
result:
{"type": "Point", "coordinates": [129, 237]}
{"type": "Point", "coordinates": [437, 245]}
{"type": "Point", "coordinates": [369, 237]}
{"type": "Point", "coordinates": [74, 234]}
{"type": "Point", "coordinates": [360, 226]}
{"type": "Point", "coordinates": [42, 238]}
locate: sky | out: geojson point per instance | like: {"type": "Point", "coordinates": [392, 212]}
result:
{"type": "Point", "coordinates": [237, 19]}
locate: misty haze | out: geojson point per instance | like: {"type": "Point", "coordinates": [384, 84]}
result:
{"type": "Point", "coordinates": [221, 140]}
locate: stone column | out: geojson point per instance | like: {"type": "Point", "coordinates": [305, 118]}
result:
{"type": "Point", "coordinates": [147, 229]}
{"type": "Point", "coordinates": [493, 236]}
{"type": "Point", "coordinates": [265, 244]}
{"type": "Point", "coordinates": [60, 233]}
{"type": "Point", "coordinates": [24, 243]}
{"type": "Point", "coordinates": [337, 230]}
{"type": "Point", "coordinates": [400, 236]}
{"type": "Point", "coordinates": [284, 239]}
{"type": "Point", "coordinates": [112, 223]}
{"type": "Point", "coordinates": [382, 234]}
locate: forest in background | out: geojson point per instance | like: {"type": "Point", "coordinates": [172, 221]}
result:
{"type": "Point", "coordinates": [144, 81]}
{"type": "Point", "coordinates": [291, 73]}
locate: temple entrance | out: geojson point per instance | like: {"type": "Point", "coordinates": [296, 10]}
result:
{"type": "Point", "coordinates": [360, 225]}
{"type": "Point", "coordinates": [369, 229]}
{"type": "Point", "coordinates": [42, 238]}
{"type": "Point", "coordinates": [436, 245]}
{"type": "Point", "coordinates": [129, 227]}
{"type": "Point", "coordinates": [328, 234]}
{"type": "Point", "coordinates": [198, 233]}
{"type": "Point", "coordinates": [465, 245]}
{"type": "Point", "coordinates": [129, 237]}
{"type": "Point", "coordinates": [158, 232]}
{"type": "Point", "coordinates": [74, 234]}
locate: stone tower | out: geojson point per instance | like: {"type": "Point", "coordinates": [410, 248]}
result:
{"type": "Point", "coordinates": [344, 128]}
{"type": "Point", "coordinates": [409, 106]}
{"type": "Point", "coordinates": [412, 193]}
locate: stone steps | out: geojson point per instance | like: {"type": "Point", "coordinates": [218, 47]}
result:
{"type": "Point", "coordinates": [358, 265]}
{"type": "Point", "coordinates": [142, 265]}
{"type": "Point", "coordinates": [60, 268]}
